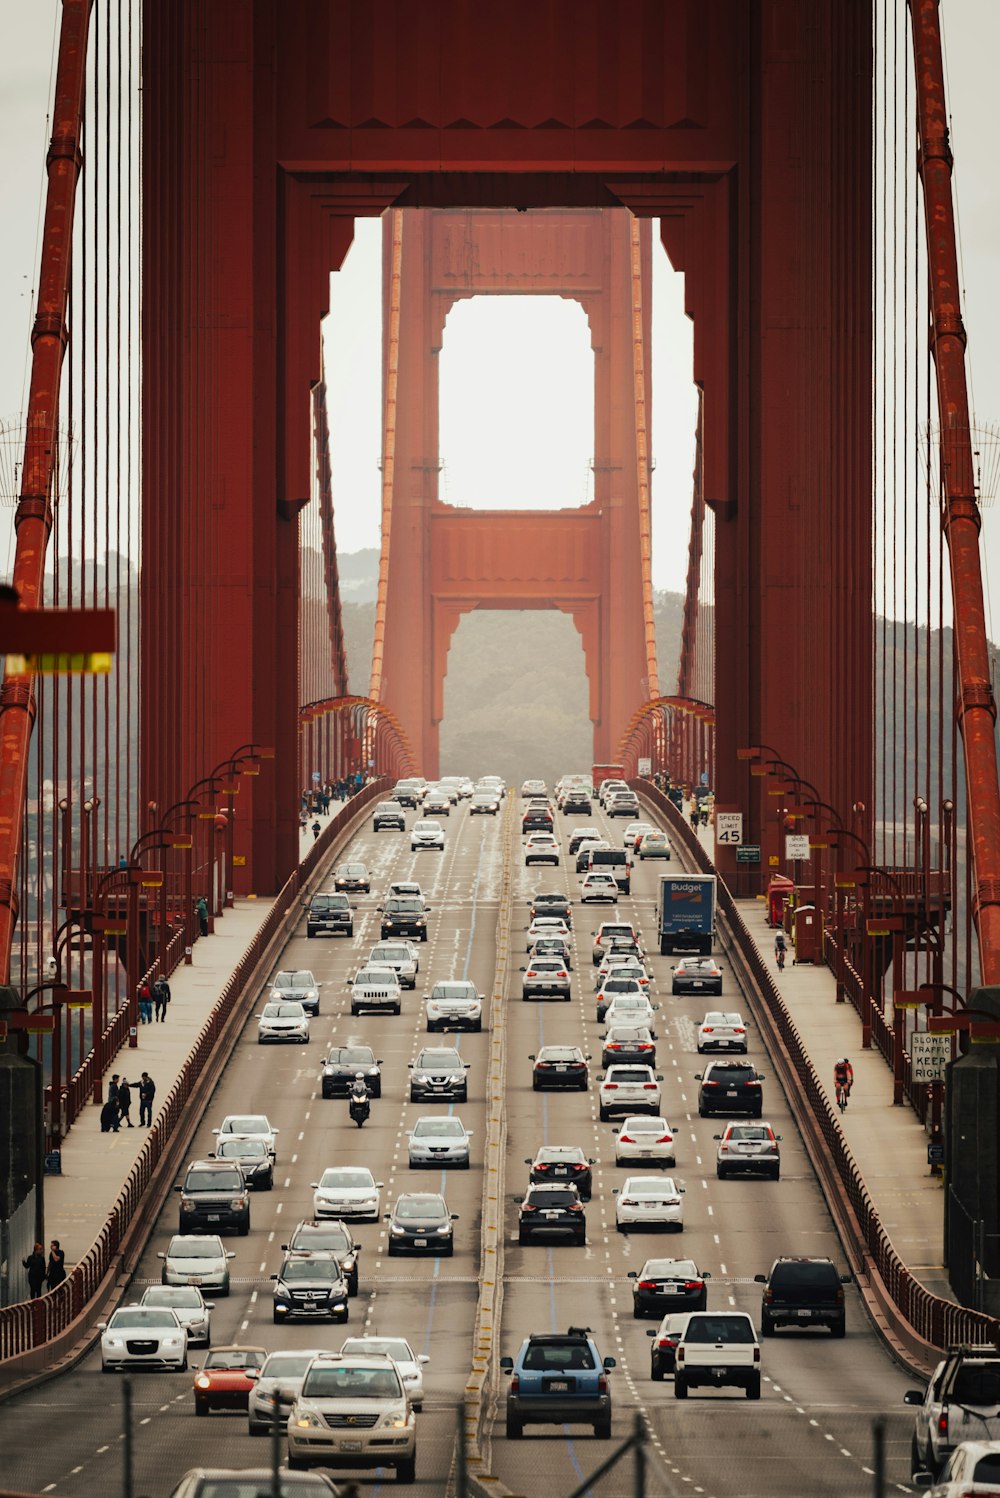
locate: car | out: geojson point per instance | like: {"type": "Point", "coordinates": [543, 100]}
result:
{"type": "Point", "coordinates": [439, 1140]}
{"type": "Point", "coordinates": [634, 830]}
{"type": "Point", "coordinates": [579, 836]}
{"type": "Point", "coordinates": [484, 804]}
{"type": "Point", "coordinates": [717, 1349]}
{"type": "Point", "coordinates": [143, 1337]}
{"type": "Point", "coordinates": [662, 1286]}
{"type": "Point", "coordinates": [621, 965]}
{"type": "Point", "coordinates": [347, 1191]}
{"type": "Point", "coordinates": [971, 1471]}
{"type": "Point", "coordinates": [426, 833]}
{"type": "Point", "coordinates": [559, 1066]}
{"type": "Point", "coordinates": [654, 844]}
{"type": "Point", "coordinates": [190, 1307]}
{"type": "Point", "coordinates": [603, 887]}
{"type": "Point", "coordinates": [376, 988]}
{"type": "Point", "coordinates": [552, 1210]}
{"type": "Point", "coordinates": [722, 1031]}
{"type": "Point", "coordinates": [748, 1147]}
{"type": "Point", "coordinates": [330, 915]}
{"type": "Point", "coordinates": [628, 1043]}
{"type": "Point", "coordinates": [406, 888]}
{"type": "Point", "coordinates": [628, 1088]}
{"type": "Point", "coordinates": [536, 819]}
{"type": "Point", "coordinates": [630, 1009]}
{"type": "Point", "coordinates": [404, 915]}
{"type": "Point", "coordinates": [554, 1163]}
{"type": "Point", "coordinates": [615, 986]}
{"type": "Point", "coordinates": [309, 1287]}
{"type": "Point", "coordinates": [553, 946]}
{"type": "Point", "coordinates": [439, 1072]}
{"type": "Point", "coordinates": [436, 804]}
{"type": "Point", "coordinates": [410, 1364]}
{"type": "Point", "coordinates": [454, 1004]}
{"type": "Point", "coordinates": [281, 1022]}
{"type": "Point", "coordinates": [664, 1348]}
{"type": "Point", "coordinates": [546, 925]}
{"type": "Point", "coordinates": [622, 947]}
{"type": "Point", "coordinates": [803, 1291]}
{"type": "Point", "coordinates": [253, 1158]}
{"type": "Point", "coordinates": [585, 849]}
{"type": "Point", "coordinates": [545, 975]}
{"type": "Point", "coordinates": [558, 1378]}
{"type": "Point", "coordinates": [353, 1411]}
{"type": "Point", "coordinates": [612, 787]}
{"type": "Point", "coordinates": [623, 804]}
{"type": "Point", "coordinates": [410, 791]}
{"type": "Point", "coordinates": [492, 783]}
{"type": "Point", "coordinates": [214, 1196]}
{"type": "Point", "coordinates": [333, 1236]}
{"type": "Point", "coordinates": [250, 1126]}
{"type": "Point", "coordinates": [448, 789]}
{"type": "Point", "coordinates": [342, 1065]}
{"type": "Point", "coordinates": [462, 784]}
{"type": "Point", "coordinates": [541, 847]}
{"type": "Point", "coordinates": [223, 1482]}
{"type": "Point", "coordinates": [649, 1201]}
{"type": "Point", "coordinates": [607, 932]}
{"type": "Point", "coordinates": [696, 975]}
{"type": "Point", "coordinates": [275, 1389]}
{"type": "Point", "coordinates": [298, 986]}
{"type": "Point", "coordinates": [730, 1087]}
{"type": "Point", "coordinates": [196, 1259]}
{"type": "Point", "coordinates": [577, 804]}
{"type": "Point", "coordinates": [421, 1221]}
{"type": "Point", "coordinates": [352, 876]}
{"type": "Point", "coordinates": [389, 814]}
{"type": "Point", "coordinates": [963, 1387]}
{"type": "Point", "coordinates": [401, 956]}
{"type": "Point", "coordinates": [646, 1137]}
{"type": "Point", "coordinates": [533, 788]}
{"type": "Point", "coordinates": [225, 1379]}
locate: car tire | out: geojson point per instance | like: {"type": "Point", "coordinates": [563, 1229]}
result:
{"type": "Point", "coordinates": [766, 1326]}
{"type": "Point", "coordinates": [638, 1314]}
{"type": "Point", "coordinates": [515, 1428]}
{"type": "Point", "coordinates": [406, 1471]}
{"type": "Point", "coordinates": [449, 1251]}
{"type": "Point", "coordinates": [398, 1009]}
{"type": "Point", "coordinates": [535, 1087]}
{"type": "Point", "coordinates": [839, 1328]}
{"type": "Point", "coordinates": [720, 1173]}
{"type": "Point", "coordinates": [200, 1407]}
{"type": "Point", "coordinates": [296, 1464]}
{"type": "Point", "coordinates": [604, 1115]}
{"type": "Point", "coordinates": [680, 1386]}
{"type": "Point", "coordinates": [244, 1229]}
{"type": "Point", "coordinates": [523, 1239]}
{"type": "Point", "coordinates": [602, 1430]}
{"type": "Point", "coordinates": [753, 1388]}
{"type": "Point", "coordinates": [656, 1373]}
{"type": "Point", "coordinates": [352, 1284]}
{"type": "Point", "coordinates": [702, 1112]}
{"type": "Point", "coordinates": [276, 1318]}
{"type": "Point", "coordinates": [776, 1174]}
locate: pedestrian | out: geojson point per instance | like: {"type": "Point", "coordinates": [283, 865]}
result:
{"type": "Point", "coordinates": [161, 997]}
{"type": "Point", "coordinates": [113, 1096]}
{"type": "Point", "coordinates": [109, 1117]}
{"type": "Point", "coordinates": [56, 1271]}
{"type": "Point", "coordinates": [695, 814]}
{"type": "Point", "coordinates": [124, 1101]}
{"type": "Point", "coordinates": [145, 1002]}
{"type": "Point", "coordinates": [201, 910]}
{"type": "Point", "coordinates": [35, 1265]}
{"type": "Point", "coordinates": [316, 830]}
{"type": "Point", "coordinates": [147, 1092]}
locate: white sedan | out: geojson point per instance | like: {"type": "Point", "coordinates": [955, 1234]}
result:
{"type": "Point", "coordinates": [143, 1337]}
{"type": "Point", "coordinates": [646, 1138]}
{"type": "Point", "coordinates": [546, 925]}
{"type": "Point", "coordinates": [630, 1009]}
{"type": "Point", "coordinates": [440, 1139]}
{"type": "Point", "coordinates": [634, 830]}
{"type": "Point", "coordinates": [628, 1087]}
{"type": "Point", "coordinates": [721, 1031]}
{"type": "Point", "coordinates": [250, 1126]}
{"type": "Point", "coordinates": [427, 834]}
{"type": "Point", "coordinates": [410, 1364]}
{"type": "Point", "coordinates": [623, 965]}
{"type": "Point", "coordinates": [283, 1020]}
{"type": "Point", "coordinates": [347, 1191]}
{"type": "Point", "coordinates": [192, 1311]}
{"type": "Point", "coordinates": [649, 1201]}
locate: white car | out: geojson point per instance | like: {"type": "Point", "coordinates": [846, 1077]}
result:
{"type": "Point", "coordinates": [622, 965]}
{"type": "Point", "coordinates": [492, 783]}
{"type": "Point", "coordinates": [454, 1005]}
{"type": "Point", "coordinates": [401, 956]}
{"type": "Point", "coordinates": [617, 985]}
{"type": "Point", "coordinates": [405, 888]}
{"type": "Point", "coordinates": [461, 784]}
{"type": "Point", "coordinates": [541, 847]}
{"type": "Point", "coordinates": [275, 1389]}
{"type": "Point", "coordinates": [533, 788]}
{"type": "Point", "coordinates": [645, 1137]}
{"type": "Point", "coordinates": [634, 830]}
{"type": "Point", "coordinates": [377, 989]}
{"type": "Point", "coordinates": [609, 931]}
{"type": "Point", "coordinates": [484, 804]}
{"type": "Point", "coordinates": [973, 1467]}
{"type": "Point", "coordinates": [189, 1306]}
{"type": "Point", "coordinates": [627, 1088]}
{"type": "Point", "coordinates": [649, 1201]}
{"type": "Point", "coordinates": [197, 1259]}
{"type": "Point", "coordinates": [283, 1020]}
{"type": "Point", "coordinates": [347, 1191]}
{"type": "Point", "coordinates": [410, 1365]}
{"type": "Point", "coordinates": [546, 925]}
{"type": "Point", "coordinates": [721, 1031]}
{"type": "Point", "coordinates": [630, 1009]}
{"type": "Point", "coordinates": [143, 1337]}
{"type": "Point", "coordinates": [440, 1139]}
{"type": "Point", "coordinates": [250, 1126]}
{"type": "Point", "coordinates": [426, 834]}
{"type": "Point", "coordinates": [599, 887]}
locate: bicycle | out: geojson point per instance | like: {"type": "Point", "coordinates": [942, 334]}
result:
{"type": "Point", "coordinates": [779, 953]}
{"type": "Point", "coordinates": [843, 1093]}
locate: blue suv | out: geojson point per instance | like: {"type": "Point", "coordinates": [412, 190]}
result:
{"type": "Point", "coordinates": [559, 1378]}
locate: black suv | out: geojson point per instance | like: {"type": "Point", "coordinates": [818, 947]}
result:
{"type": "Point", "coordinates": [331, 1236]}
{"type": "Point", "coordinates": [553, 904]}
{"type": "Point", "coordinates": [404, 915]}
{"type": "Point", "coordinates": [389, 814]}
{"type": "Point", "coordinates": [330, 915]}
{"type": "Point", "coordinates": [214, 1196]}
{"type": "Point", "coordinates": [577, 802]}
{"type": "Point", "coordinates": [802, 1292]}
{"type": "Point", "coordinates": [537, 819]}
{"type": "Point", "coordinates": [310, 1286]}
{"type": "Point", "coordinates": [342, 1066]}
{"type": "Point", "coordinates": [552, 1210]}
{"type": "Point", "coordinates": [730, 1087]}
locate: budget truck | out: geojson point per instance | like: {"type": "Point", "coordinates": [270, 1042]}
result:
{"type": "Point", "coordinates": [686, 913]}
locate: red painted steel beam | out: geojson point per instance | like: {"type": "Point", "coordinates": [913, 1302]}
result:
{"type": "Point", "coordinates": [686, 682]}
{"type": "Point", "coordinates": [976, 707]}
{"type": "Point", "coordinates": [33, 518]}
{"type": "Point", "coordinates": [331, 574]}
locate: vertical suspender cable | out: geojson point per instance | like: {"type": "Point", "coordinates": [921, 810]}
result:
{"type": "Point", "coordinates": [687, 686]}
{"type": "Point", "coordinates": [391, 377]}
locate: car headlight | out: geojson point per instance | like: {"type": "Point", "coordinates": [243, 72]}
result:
{"type": "Point", "coordinates": [394, 1422]}
{"type": "Point", "coordinates": [265, 1396]}
{"type": "Point", "coordinates": [173, 1341]}
{"type": "Point", "coordinates": [306, 1420]}
{"type": "Point", "coordinates": [238, 1203]}
{"type": "Point", "coordinates": [115, 1342]}
{"type": "Point", "coordinates": [201, 1382]}
{"type": "Point", "coordinates": [397, 1232]}
{"type": "Point", "coordinates": [186, 1204]}
{"type": "Point", "coordinates": [446, 1228]}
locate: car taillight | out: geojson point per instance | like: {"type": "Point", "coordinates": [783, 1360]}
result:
{"type": "Point", "coordinates": [527, 1207]}
{"type": "Point", "coordinates": [579, 1167]}
{"type": "Point", "coordinates": [602, 1383]}
{"type": "Point", "coordinates": [756, 1354]}
{"type": "Point", "coordinates": [666, 1342]}
{"type": "Point", "coordinates": [840, 1295]}
{"type": "Point", "coordinates": [768, 1295]}
{"type": "Point", "coordinates": [576, 1206]}
{"type": "Point", "coordinates": [672, 1201]}
{"type": "Point", "coordinates": [647, 1284]}
{"type": "Point", "coordinates": [723, 1149]}
{"type": "Point", "coordinates": [666, 1139]}
{"type": "Point", "coordinates": [680, 1355]}
{"type": "Point", "coordinates": [562, 974]}
{"type": "Point", "coordinates": [708, 1029]}
{"type": "Point", "coordinates": [943, 1424]}
{"type": "Point", "coordinates": [515, 1382]}
{"type": "Point", "coordinates": [753, 1084]}
{"type": "Point", "coordinates": [542, 1167]}
{"type": "Point", "coordinates": [611, 1086]}
{"type": "Point", "coordinates": [543, 1066]}
{"type": "Point", "coordinates": [612, 1047]}
{"type": "Point", "coordinates": [625, 1139]}
{"type": "Point", "coordinates": [694, 1284]}
{"type": "Point", "coordinates": [738, 1030]}
{"type": "Point", "coordinates": [650, 1085]}
{"type": "Point", "coordinates": [711, 1084]}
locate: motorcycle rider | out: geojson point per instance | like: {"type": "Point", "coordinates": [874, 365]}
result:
{"type": "Point", "coordinates": [358, 1096]}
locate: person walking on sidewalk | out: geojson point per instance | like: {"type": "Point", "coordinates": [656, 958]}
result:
{"type": "Point", "coordinates": [56, 1272]}
{"type": "Point", "coordinates": [147, 1092]}
{"type": "Point", "coordinates": [161, 997]}
{"type": "Point", "coordinates": [201, 911]}
{"type": "Point", "coordinates": [124, 1101]}
{"type": "Point", "coordinates": [36, 1267]}
{"type": "Point", "coordinates": [113, 1096]}
{"type": "Point", "coordinates": [145, 1003]}
{"type": "Point", "coordinates": [316, 830]}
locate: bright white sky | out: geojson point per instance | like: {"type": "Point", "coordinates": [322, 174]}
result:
{"type": "Point", "coordinates": [516, 429]}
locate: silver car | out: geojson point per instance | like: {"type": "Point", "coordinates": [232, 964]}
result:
{"type": "Point", "coordinates": [353, 1411]}
{"type": "Point", "coordinates": [250, 1126]}
{"type": "Point", "coordinates": [143, 1337]}
{"type": "Point", "coordinates": [196, 1259]}
{"type": "Point", "coordinates": [297, 984]}
{"type": "Point", "coordinates": [401, 956]}
{"type": "Point", "coordinates": [277, 1387]}
{"type": "Point", "coordinates": [189, 1306]}
{"type": "Point", "coordinates": [426, 834]}
{"type": "Point", "coordinates": [284, 1021]}
{"type": "Point", "coordinates": [437, 1139]}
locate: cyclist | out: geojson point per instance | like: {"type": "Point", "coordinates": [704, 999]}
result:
{"type": "Point", "coordinates": [780, 949]}
{"type": "Point", "coordinates": [843, 1081]}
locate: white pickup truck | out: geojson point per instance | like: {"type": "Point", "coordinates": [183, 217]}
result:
{"type": "Point", "coordinates": [961, 1403]}
{"type": "Point", "coordinates": [716, 1349]}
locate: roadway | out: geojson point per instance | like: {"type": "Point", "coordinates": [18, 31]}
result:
{"type": "Point", "coordinates": [811, 1431]}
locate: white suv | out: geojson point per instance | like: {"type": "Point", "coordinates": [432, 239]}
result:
{"type": "Point", "coordinates": [628, 1089]}
{"type": "Point", "coordinates": [352, 1411]}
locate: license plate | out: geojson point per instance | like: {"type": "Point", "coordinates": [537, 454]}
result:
{"type": "Point", "coordinates": [731, 1092]}
{"type": "Point", "coordinates": [645, 1153]}
{"type": "Point", "coordinates": [559, 1385]}
{"type": "Point", "coordinates": [562, 1068]}
{"type": "Point", "coordinates": [213, 1216]}
{"type": "Point", "coordinates": [697, 983]}
{"type": "Point", "coordinates": [804, 1314]}
{"type": "Point", "coordinates": [420, 1242]}
{"type": "Point", "coordinates": [309, 1305]}
{"type": "Point", "coordinates": [551, 1214]}
{"type": "Point", "coordinates": [719, 1372]}
{"type": "Point", "coordinates": [350, 1445]}
{"type": "Point", "coordinates": [194, 1279]}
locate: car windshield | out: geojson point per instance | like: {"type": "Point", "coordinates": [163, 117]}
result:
{"type": "Point", "coordinates": [560, 1152]}
{"type": "Point", "coordinates": [384, 953]}
{"type": "Point", "coordinates": [330, 902]}
{"type": "Point", "coordinates": [411, 1207]}
{"type": "Point", "coordinates": [310, 1269]}
{"type": "Point", "coordinates": [547, 965]}
{"type": "Point", "coordinates": [629, 1073]}
{"type": "Point", "coordinates": [719, 1329]}
{"type": "Point", "coordinates": [286, 1364]}
{"type": "Point", "coordinates": [748, 1131]}
{"type": "Point", "coordinates": [643, 1124]}
{"type": "Point", "coordinates": [354, 1055]}
{"type": "Point", "coordinates": [649, 1186]}
{"type": "Point", "coordinates": [817, 1276]}
{"type": "Point", "coordinates": [405, 905]}
{"type": "Point", "coordinates": [440, 1061]}
{"type": "Point", "coordinates": [251, 1124]}
{"type": "Point", "coordinates": [426, 827]}
{"type": "Point", "coordinates": [320, 1239]}
{"type": "Point", "coordinates": [683, 1269]}
{"type": "Point", "coordinates": [392, 1347]}
{"type": "Point", "coordinates": [543, 1356]}
{"type": "Point", "coordinates": [553, 1196]}
{"type": "Point", "coordinates": [243, 1149]}
{"type": "Point", "coordinates": [196, 1248]}
{"type": "Point", "coordinates": [214, 1180]}
{"type": "Point", "coordinates": [559, 1053]}
{"type": "Point", "coordinates": [726, 1073]}
{"type": "Point", "coordinates": [290, 1485]}
{"type": "Point", "coordinates": [376, 975]}
{"type": "Point", "coordinates": [283, 1011]}
{"type": "Point", "coordinates": [347, 1176]}
{"type": "Point", "coordinates": [453, 991]}
{"type": "Point", "coordinates": [169, 1295]}
{"type": "Point", "coordinates": [439, 1128]}
{"type": "Point", "coordinates": [138, 1317]}
{"type": "Point", "coordinates": [324, 1382]}
{"type": "Point", "coordinates": [236, 1357]}
{"type": "Point", "coordinates": [294, 980]}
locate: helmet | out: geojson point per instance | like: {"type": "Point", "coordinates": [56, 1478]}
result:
{"type": "Point", "coordinates": [359, 1076]}
{"type": "Point", "coordinates": [843, 1061]}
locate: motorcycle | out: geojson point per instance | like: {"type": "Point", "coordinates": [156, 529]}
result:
{"type": "Point", "coordinates": [359, 1106]}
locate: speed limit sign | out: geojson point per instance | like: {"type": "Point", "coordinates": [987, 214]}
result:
{"type": "Point", "coordinates": [729, 828]}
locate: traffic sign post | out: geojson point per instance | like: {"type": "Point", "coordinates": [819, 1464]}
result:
{"type": "Point", "coordinates": [797, 847]}
{"type": "Point", "coordinates": [748, 853]}
{"type": "Point", "coordinates": [929, 1055]}
{"type": "Point", "coordinates": [644, 767]}
{"type": "Point", "coordinates": [729, 828]}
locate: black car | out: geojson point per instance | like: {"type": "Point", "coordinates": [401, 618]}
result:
{"type": "Point", "coordinates": [562, 1162]}
{"type": "Point", "coordinates": [352, 876]}
{"type": "Point", "coordinates": [554, 946]}
{"type": "Point", "coordinates": [439, 1072]}
{"type": "Point", "coordinates": [663, 1285]}
{"type": "Point", "coordinates": [697, 975]}
{"type": "Point", "coordinates": [629, 1043]}
{"type": "Point", "coordinates": [330, 915]}
{"type": "Point", "coordinates": [577, 803]}
{"type": "Point", "coordinates": [730, 1087]}
{"type": "Point", "coordinates": [552, 1211]}
{"type": "Point", "coordinates": [214, 1196]}
{"type": "Point", "coordinates": [582, 835]}
{"type": "Point", "coordinates": [389, 814]}
{"type": "Point", "coordinates": [552, 904]}
{"type": "Point", "coordinates": [329, 1236]}
{"type": "Point", "coordinates": [537, 819]}
{"type": "Point", "coordinates": [560, 1066]}
{"type": "Point", "coordinates": [421, 1221]}
{"type": "Point", "coordinates": [803, 1292]}
{"type": "Point", "coordinates": [252, 1156]}
{"type": "Point", "coordinates": [404, 915]}
{"type": "Point", "coordinates": [310, 1287]}
{"type": "Point", "coordinates": [342, 1066]}
{"type": "Point", "coordinates": [663, 1353]}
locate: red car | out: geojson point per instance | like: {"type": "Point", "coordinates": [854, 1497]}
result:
{"type": "Point", "coordinates": [226, 1378]}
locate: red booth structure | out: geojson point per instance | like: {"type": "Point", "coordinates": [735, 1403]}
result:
{"type": "Point", "coordinates": [779, 893]}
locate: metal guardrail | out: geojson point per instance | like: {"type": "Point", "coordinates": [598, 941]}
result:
{"type": "Point", "coordinates": [29, 1325]}
{"type": "Point", "coordinates": [930, 1318]}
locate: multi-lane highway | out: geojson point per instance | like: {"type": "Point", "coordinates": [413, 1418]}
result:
{"type": "Point", "coordinates": [810, 1433]}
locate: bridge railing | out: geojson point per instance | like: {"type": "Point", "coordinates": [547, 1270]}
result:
{"type": "Point", "coordinates": [930, 1318]}
{"type": "Point", "coordinates": [29, 1325]}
